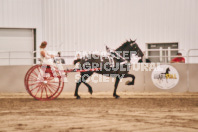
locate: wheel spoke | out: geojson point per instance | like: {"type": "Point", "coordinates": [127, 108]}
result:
{"type": "Point", "coordinates": [32, 77]}
{"type": "Point", "coordinates": [32, 80]}
{"type": "Point", "coordinates": [41, 92]}
{"type": "Point", "coordinates": [54, 88]}
{"type": "Point", "coordinates": [39, 69]}
{"type": "Point", "coordinates": [49, 90]}
{"type": "Point", "coordinates": [34, 73]}
{"type": "Point", "coordinates": [33, 84]}
{"type": "Point", "coordinates": [54, 82]}
{"type": "Point", "coordinates": [52, 85]}
{"type": "Point", "coordinates": [38, 90]}
{"type": "Point", "coordinates": [45, 91]}
{"type": "Point", "coordinates": [35, 87]}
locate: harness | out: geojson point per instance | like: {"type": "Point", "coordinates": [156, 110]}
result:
{"type": "Point", "coordinates": [113, 54]}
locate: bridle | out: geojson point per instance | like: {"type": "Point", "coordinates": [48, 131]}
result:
{"type": "Point", "coordinates": [120, 56]}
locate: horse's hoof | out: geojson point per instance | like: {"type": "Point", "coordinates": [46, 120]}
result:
{"type": "Point", "coordinates": [77, 97]}
{"type": "Point", "coordinates": [90, 91]}
{"type": "Point", "coordinates": [127, 82]}
{"type": "Point", "coordinates": [116, 96]}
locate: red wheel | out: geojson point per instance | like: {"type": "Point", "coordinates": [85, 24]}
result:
{"type": "Point", "coordinates": [41, 86]}
{"type": "Point", "coordinates": [58, 92]}
{"type": "Point", "coordinates": [26, 76]}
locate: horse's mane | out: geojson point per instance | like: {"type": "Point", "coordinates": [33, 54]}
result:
{"type": "Point", "coordinates": [122, 46]}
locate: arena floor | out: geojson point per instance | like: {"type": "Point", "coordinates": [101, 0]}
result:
{"type": "Point", "coordinates": [101, 112]}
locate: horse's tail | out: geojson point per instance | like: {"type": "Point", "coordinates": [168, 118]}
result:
{"type": "Point", "coordinates": [76, 61]}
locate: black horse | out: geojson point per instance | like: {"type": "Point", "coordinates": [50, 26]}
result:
{"type": "Point", "coordinates": [164, 75]}
{"type": "Point", "coordinates": [118, 69]}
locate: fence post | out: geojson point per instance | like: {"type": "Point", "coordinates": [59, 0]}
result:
{"type": "Point", "coordinates": [9, 56]}
{"type": "Point", "coordinates": [169, 54]}
{"type": "Point", "coordinates": [161, 53]}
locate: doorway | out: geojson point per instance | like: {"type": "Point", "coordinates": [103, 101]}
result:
{"type": "Point", "coordinates": [17, 46]}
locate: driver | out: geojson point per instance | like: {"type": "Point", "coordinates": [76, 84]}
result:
{"type": "Point", "coordinates": [46, 58]}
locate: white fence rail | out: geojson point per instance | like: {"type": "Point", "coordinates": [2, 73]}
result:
{"type": "Point", "coordinates": [31, 57]}
{"type": "Point", "coordinates": [167, 55]}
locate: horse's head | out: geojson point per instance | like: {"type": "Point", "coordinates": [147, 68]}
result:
{"type": "Point", "coordinates": [133, 46]}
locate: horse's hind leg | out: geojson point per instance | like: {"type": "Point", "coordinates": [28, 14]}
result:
{"type": "Point", "coordinates": [89, 88]}
{"type": "Point", "coordinates": [116, 86]}
{"type": "Point", "coordinates": [85, 77]}
{"type": "Point", "coordinates": [133, 79]}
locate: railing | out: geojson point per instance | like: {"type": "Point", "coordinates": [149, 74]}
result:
{"type": "Point", "coordinates": [31, 57]}
{"type": "Point", "coordinates": [68, 56]}
{"type": "Point", "coordinates": [169, 55]}
{"type": "Point", "coordinates": [7, 55]}
{"type": "Point", "coordinates": [28, 57]}
{"type": "Point", "coordinates": [188, 54]}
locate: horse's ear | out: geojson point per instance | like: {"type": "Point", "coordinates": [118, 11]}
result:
{"type": "Point", "coordinates": [135, 40]}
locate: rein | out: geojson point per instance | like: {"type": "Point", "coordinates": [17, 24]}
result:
{"type": "Point", "coordinates": [119, 56]}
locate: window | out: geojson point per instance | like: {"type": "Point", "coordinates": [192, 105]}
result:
{"type": "Point", "coordinates": [162, 52]}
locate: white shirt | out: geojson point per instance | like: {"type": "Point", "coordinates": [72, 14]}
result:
{"type": "Point", "coordinates": [47, 59]}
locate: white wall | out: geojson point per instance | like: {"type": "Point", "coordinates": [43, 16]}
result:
{"type": "Point", "coordinates": [22, 14]}
{"type": "Point", "coordinates": [89, 24]}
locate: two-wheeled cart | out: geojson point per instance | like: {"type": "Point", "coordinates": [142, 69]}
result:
{"type": "Point", "coordinates": [45, 82]}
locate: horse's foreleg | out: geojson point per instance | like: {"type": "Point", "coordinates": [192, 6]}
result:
{"type": "Point", "coordinates": [77, 86]}
{"type": "Point", "coordinates": [115, 89]}
{"type": "Point", "coordinates": [133, 79]}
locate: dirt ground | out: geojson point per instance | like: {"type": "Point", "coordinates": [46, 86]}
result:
{"type": "Point", "coordinates": [100, 112]}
